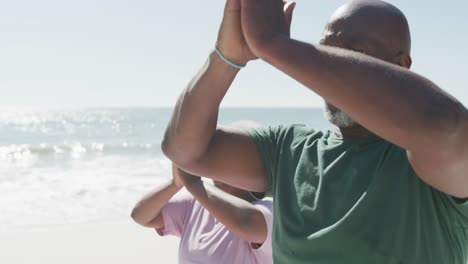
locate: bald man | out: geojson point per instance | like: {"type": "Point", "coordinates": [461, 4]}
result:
{"type": "Point", "coordinates": [387, 185]}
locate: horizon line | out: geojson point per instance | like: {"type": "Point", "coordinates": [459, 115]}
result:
{"type": "Point", "coordinates": [27, 108]}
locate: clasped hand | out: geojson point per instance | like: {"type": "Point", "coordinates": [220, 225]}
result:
{"type": "Point", "coordinates": [250, 26]}
{"type": "Point", "coordinates": [264, 20]}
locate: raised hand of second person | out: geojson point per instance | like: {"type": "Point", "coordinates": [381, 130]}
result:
{"type": "Point", "coordinates": [231, 40]}
{"type": "Point", "coordinates": [182, 178]}
{"type": "Point", "coordinates": [176, 178]}
{"type": "Point", "coordinates": [264, 20]}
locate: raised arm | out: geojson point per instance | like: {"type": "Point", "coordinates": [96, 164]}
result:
{"type": "Point", "coordinates": [147, 212]}
{"type": "Point", "coordinates": [391, 101]}
{"type": "Point", "coordinates": [239, 216]}
{"type": "Point", "coordinates": [192, 139]}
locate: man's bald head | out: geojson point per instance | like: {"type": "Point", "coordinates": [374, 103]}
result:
{"type": "Point", "coordinates": [373, 27]}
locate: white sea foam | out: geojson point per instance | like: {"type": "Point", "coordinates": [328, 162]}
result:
{"type": "Point", "coordinates": [104, 188]}
{"type": "Point", "coordinates": [67, 166]}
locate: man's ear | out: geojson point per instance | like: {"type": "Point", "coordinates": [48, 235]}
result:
{"type": "Point", "coordinates": [404, 61]}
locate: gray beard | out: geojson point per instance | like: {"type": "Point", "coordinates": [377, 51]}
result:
{"type": "Point", "coordinates": [338, 117]}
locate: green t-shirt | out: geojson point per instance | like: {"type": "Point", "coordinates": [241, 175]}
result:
{"type": "Point", "coordinates": [355, 201]}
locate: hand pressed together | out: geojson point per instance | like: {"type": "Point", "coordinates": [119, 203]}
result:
{"type": "Point", "coordinates": [231, 40]}
{"type": "Point", "coordinates": [264, 20]}
{"type": "Point", "coordinates": [248, 27]}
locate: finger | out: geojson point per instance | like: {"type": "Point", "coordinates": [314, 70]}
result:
{"type": "Point", "coordinates": [285, 3]}
{"type": "Point", "coordinates": [233, 5]}
{"type": "Point", "coordinates": [288, 12]}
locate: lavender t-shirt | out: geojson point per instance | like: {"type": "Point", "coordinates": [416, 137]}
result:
{"type": "Point", "coordinates": [204, 240]}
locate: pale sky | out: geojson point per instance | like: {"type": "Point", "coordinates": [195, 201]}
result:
{"type": "Point", "coordinates": [121, 53]}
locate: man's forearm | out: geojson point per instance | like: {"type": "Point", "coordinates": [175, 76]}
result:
{"type": "Point", "coordinates": [391, 101]}
{"type": "Point", "coordinates": [194, 119]}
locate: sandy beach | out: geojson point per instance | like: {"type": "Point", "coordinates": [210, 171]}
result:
{"type": "Point", "coordinates": [116, 243]}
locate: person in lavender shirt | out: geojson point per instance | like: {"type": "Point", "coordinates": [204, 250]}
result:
{"type": "Point", "coordinates": [216, 223]}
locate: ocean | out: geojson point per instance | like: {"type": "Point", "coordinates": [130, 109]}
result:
{"type": "Point", "coordinates": [91, 165]}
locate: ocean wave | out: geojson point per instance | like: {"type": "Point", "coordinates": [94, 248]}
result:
{"type": "Point", "coordinates": [67, 166]}
{"type": "Point", "coordinates": [75, 150]}
{"type": "Point", "coordinates": [100, 189]}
